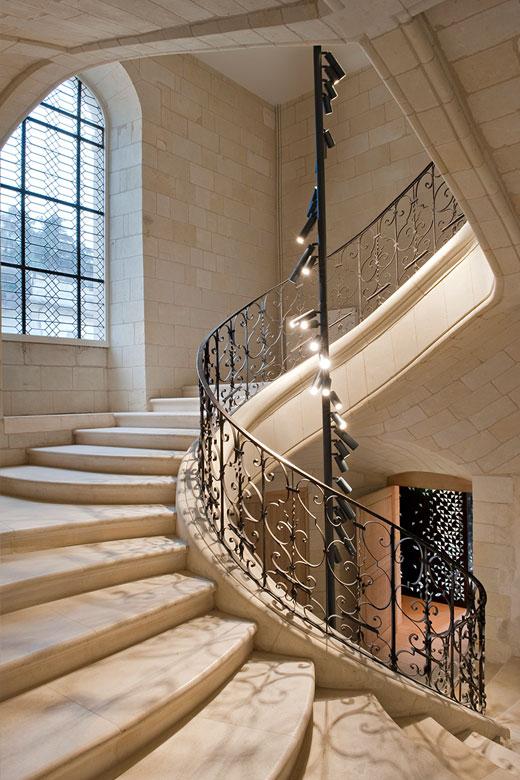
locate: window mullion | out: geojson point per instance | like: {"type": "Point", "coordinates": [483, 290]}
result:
{"type": "Point", "coordinates": [23, 227]}
{"type": "Point", "coordinates": [78, 211]}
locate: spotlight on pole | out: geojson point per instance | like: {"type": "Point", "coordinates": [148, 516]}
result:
{"type": "Point", "coordinates": [314, 345]}
{"type": "Point", "coordinates": [329, 89]}
{"type": "Point", "coordinates": [335, 67]}
{"type": "Point", "coordinates": [342, 463]}
{"type": "Point", "coordinates": [313, 203]}
{"type": "Point", "coordinates": [324, 361]}
{"type": "Point", "coordinates": [345, 509]}
{"type": "Point", "coordinates": [342, 483]}
{"type": "Point", "coordinates": [327, 104]}
{"type": "Point", "coordinates": [336, 401]}
{"type": "Point", "coordinates": [306, 229]}
{"type": "Point", "coordinates": [329, 139]}
{"type": "Point", "coordinates": [306, 261]}
{"type": "Point", "coordinates": [342, 448]}
{"type": "Point", "coordinates": [317, 385]}
{"type": "Point", "coordinates": [347, 439]}
{"type": "Point", "coordinates": [339, 422]}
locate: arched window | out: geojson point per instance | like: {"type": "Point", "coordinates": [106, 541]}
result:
{"type": "Point", "coordinates": [52, 245]}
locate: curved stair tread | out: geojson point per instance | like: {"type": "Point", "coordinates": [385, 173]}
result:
{"type": "Point", "coordinates": [253, 728]}
{"type": "Point", "coordinates": [46, 575]}
{"type": "Point", "coordinates": [353, 736]}
{"type": "Point", "coordinates": [81, 724]}
{"type": "Point", "coordinates": [182, 418]}
{"type": "Point", "coordinates": [455, 755]}
{"type": "Point", "coordinates": [33, 525]}
{"type": "Point", "coordinates": [104, 458]}
{"type": "Point", "coordinates": [48, 640]}
{"type": "Point", "coordinates": [159, 438]}
{"type": "Point", "coordinates": [498, 754]}
{"type": "Point", "coordinates": [60, 484]}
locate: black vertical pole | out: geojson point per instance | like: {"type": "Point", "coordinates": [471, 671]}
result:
{"type": "Point", "coordinates": [324, 325]}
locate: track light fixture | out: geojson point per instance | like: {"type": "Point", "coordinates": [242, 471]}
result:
{"type": "Point", "coordinates": [324, 362]}
{"type": "Point", "coordinates": [329, 89]}
{"type": "Point", "coordinates": [339, 422]}
{"type": "Point", "coordinates": [304, 264]}
{"type": "Point", "coordinates": [313, 203]}
{"type": "Point", "coordinates": [325, 385]}
{"type": "Point", "coordinates": [341, 463]}
{"type": "Point", "coordinates": [342, 483]}
{"type": "Point", "coordinates": [347, 439]}
{"type": "Point", "coordinates": [345, 509]}
{"type": "Point", "coordinates": [306, 229]}
{"type": "Point", "coordinates": [314, 345]}
{"type": "Point", "coordinates": [327, 104]}
{"type": "Point", "coordinates": [329, 139]}
{"type": "Point", "coordinates": [335, 67]}
{"type": "Point", "coordinates": [317, 385]}
{"type": "Point", "coordinates": [342, 448]}
{"type": "Point", "coordinates": [336, 401]}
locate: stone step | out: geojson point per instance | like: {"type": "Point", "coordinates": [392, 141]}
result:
{"type": "Point", "coordinates": [457, 757]}
{"type": "Point", "coordinates": [37, 577]}
{"type": "Point", "coordinates": [41, 483]}
{"type": "Point", "coordinates": [253, 728]}
{"type": "Point", "coordinates": [113, 460]}
{"type": "Point", "coordinates": [183, 419]}
{"type": "Point", "coordinates": [32, 525]}
{"type": "Point", "coordinates": [498, 754]}
{"type": "Point", "coordinates": [176, 404]}
{"type": "Point", "coordinates": [353, 736]}
{"type": "Point", "coordinates": [43, 642]}
{"type": "Point", "coordinates": [84, 723]}
{"type": "Point", "coordinates": [155, 438]}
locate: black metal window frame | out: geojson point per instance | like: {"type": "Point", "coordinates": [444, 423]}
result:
{"type": "Point", "coordinates": [24, 193]}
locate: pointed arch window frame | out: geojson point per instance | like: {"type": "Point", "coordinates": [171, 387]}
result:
{"type": "Point", "coordinates": [78, 276]}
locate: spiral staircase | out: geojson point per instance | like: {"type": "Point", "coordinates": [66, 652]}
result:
{"type": "Point", "coordinates": [179, 611]}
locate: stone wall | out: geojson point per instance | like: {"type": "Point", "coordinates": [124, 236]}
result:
{"type": "Point", "coordinates": [44, 378]}
{"type": "Point", "coordinates": [376, 156]}
{"type": "Point", "coordinates": [209, 208]}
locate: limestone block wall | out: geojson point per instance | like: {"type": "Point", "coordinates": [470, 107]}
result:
{"type": "Point", "coordinates": [209, 208]}
{"type": "Point", "coordinates": [46, 378]}
{"type": "Point", "coordinates": [376, 156]}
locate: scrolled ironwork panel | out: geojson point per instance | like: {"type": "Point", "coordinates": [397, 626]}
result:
{"type": "Point", "coordinates": [272, 517]}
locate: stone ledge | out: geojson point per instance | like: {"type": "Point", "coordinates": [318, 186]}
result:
{"type": "Point", "coordinates": [35, 423]}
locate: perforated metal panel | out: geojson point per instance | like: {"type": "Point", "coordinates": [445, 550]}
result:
{"type": "Point", "coordinates": [52, 218]}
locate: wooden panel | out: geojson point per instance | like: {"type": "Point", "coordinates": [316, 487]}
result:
{"type": "Point", "coordinates": [375, 562]}
{"type": "Point", "coordinates": [285, 514]}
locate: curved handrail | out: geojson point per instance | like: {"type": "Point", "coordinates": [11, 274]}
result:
{"type": "Point", "coordinates": [270, 515]}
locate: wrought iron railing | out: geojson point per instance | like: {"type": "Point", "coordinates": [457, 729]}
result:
{"type": "Point", "coordinates": [271, 516]}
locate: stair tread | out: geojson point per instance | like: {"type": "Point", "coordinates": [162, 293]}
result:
{"type": "Point", "coordinates": [502, 756]}
{"type": "Point", "coordinates": [28, 632]}
{"type": "Point", "coordinates": [253, 728]}
{"type": "Point", "coordinates": [21, 514]}
{"type": "Point", "coordinates": [151, 415]}
{"type": "Point", "coordinates": [71, 476]}
{"type": "Point", "coordinates": [21, 567]}
{"type": "Point", "coordinates": [354, 736]}
{"type": "Point", "coordinates": [106, 451]}
{"type": "Point", "coordinates": [460, 759]}
{"type": "Point", "coordinates": [65, 719]}
{"type": "Point", "coordinates": [122, 429]}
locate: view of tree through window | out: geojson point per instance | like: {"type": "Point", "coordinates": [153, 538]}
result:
{"type": "Point", "coordinates": [52, 244]}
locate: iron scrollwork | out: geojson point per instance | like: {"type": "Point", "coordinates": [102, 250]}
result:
{"type": "Point", "coordinates": [271, 516]}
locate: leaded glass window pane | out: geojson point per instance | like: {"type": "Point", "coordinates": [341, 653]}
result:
{"type": "Point", "coordinates": [52, 244]}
